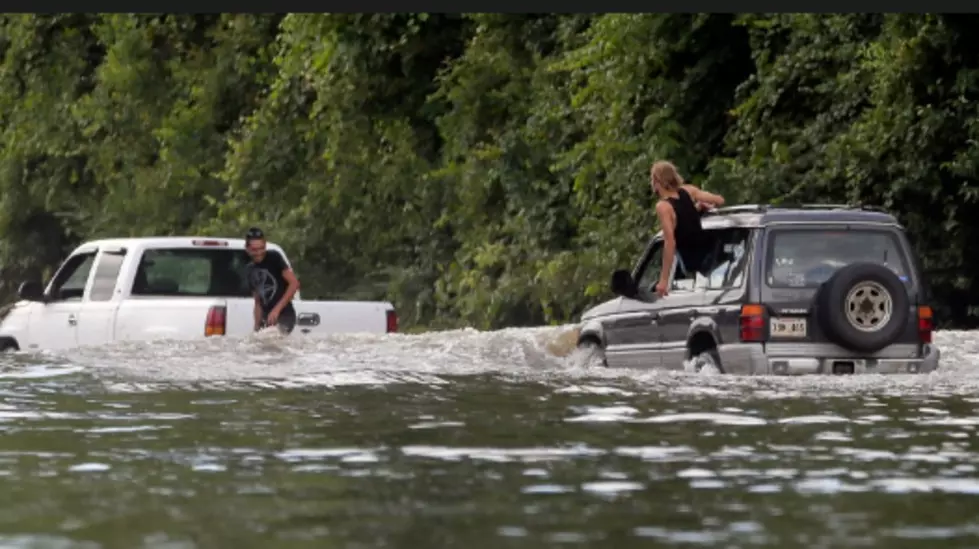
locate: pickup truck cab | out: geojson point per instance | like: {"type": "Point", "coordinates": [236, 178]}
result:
{"type": "Point", "coordinates": [135, 289]}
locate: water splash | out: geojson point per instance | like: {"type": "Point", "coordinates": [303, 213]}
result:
{"type": "Point", "coordinates": [546, 355]}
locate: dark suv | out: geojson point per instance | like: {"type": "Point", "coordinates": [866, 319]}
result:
{"type": "Point", "coordinates": [811, 289]}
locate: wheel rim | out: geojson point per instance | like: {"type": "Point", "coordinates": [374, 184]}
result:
{"type": "Point", "coordinates": [869, 306]}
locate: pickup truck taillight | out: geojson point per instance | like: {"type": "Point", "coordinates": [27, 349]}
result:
{"type": "Point", "coordinates": [215, 323]}
{"type": "Point", "coordinates": [925, 324]}
{"type": "Point", "coordinates": [752, 323]}
{"type": "Point", "coordinates": [392, 317]}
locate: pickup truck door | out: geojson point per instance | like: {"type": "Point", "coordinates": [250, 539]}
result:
{"type": "Point", "coordinates": [54, 324]}
{"type": "Point", "coordinates": [96, 321]}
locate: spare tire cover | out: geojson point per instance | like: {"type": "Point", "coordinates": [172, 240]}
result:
{"type": "Point", "coordinates": [863, 307]}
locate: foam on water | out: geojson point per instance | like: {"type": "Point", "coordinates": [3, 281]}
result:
{"type": "Point", "coordinates": [542, 355]}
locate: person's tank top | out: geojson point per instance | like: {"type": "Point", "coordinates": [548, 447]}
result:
{"type": "Point", "coordinates": [691, 240]}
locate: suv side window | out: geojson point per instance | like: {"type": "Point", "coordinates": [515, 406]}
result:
{"type": "Point", "coordinates": [728, 261]}
{"type": "Point", "coordinates": [684, 282]}
{"type": "Point", "coordinates": [649, 271]}
{"type": "Point", "coordinates": [649, 274]}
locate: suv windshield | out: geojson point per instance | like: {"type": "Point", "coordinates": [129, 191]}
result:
{"type": "Point", "coordinates": [805, 258]}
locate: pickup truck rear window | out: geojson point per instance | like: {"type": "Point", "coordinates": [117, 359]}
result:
{"type": "Point", "coordinates": [805, 258]}
{"type": "Point", "coordinates": [193, 272]}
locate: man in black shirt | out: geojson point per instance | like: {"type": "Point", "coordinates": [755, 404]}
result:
{"type": "Point", "coordinates": [272, 283]}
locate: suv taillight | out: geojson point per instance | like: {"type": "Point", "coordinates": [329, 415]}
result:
{"type": "Point", "coordinates": [925, 324]}
{"type": "Point", "coordinates": [215, 323]}
{"type": "Point", "coordinates": [752, 323]}
{"type": "Point", "coordinates": [392, 319]}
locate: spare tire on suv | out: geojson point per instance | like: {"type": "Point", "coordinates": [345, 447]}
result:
{"type": "Point", "coordinates": [863, 307]}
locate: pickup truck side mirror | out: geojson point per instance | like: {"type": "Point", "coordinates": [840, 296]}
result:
{"type": "Point", "coordinates": [31, 291]}
{"type": "Point", "coordinates": [623, 284]}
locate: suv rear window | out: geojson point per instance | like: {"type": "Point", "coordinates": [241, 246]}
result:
{"type": "Point", "coordinates": [805, 258]}
{"type": "Point", "coordinates": [193, 272]}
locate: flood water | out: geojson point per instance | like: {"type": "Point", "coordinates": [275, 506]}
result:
{"type": "Point", "coordinates": [475, 440]}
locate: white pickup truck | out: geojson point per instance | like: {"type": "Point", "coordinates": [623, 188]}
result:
{"type": "Point", "coordinates": [162, 288]}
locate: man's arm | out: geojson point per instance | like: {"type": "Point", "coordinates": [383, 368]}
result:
{"type": "Point", "coordinates": [667, 221]}
{"type": "Point", "coordinates": [292, 287]}
{"type": "Point", "coordinates": [700, 195]}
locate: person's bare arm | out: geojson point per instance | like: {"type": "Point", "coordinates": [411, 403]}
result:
{"type": "Point", "coordinates": [700, 195]}
{"type": "Point", "coordinates": [667, 221]}
{"type": "Point", "coordinates": [257, 311]}
{"type": "Point", "coordinates": [291, 289]}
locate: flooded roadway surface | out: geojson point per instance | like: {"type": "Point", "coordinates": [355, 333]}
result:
{"type": "Point", "coordinates": [475, 440]}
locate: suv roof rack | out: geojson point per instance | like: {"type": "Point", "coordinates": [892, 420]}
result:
{"type": "Point", "coordinates": [762, 208]}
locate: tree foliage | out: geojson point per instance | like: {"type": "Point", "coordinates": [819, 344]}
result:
{"type": "Point", "coordinates": [477, 169]}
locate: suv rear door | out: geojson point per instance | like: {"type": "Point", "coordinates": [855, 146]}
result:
{"type": "Point", "coordinates": [726, 282]}
{"type": "Point", "coordinates": [677, 310]}
{"type": "Point", "coordinates": [714, 299]}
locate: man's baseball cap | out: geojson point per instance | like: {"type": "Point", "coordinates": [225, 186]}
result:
{"type": "Point", "coordinates": [254, 233]}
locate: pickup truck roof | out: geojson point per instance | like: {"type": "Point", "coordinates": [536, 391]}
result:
{"type": "Point", "coordinates": [169, 242]}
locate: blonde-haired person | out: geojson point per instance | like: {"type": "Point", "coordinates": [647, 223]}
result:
{"type": "Point", "coordinates": [678, 210]}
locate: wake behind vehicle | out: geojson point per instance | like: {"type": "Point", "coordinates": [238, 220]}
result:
{"type": "Point", "coordinates": [811, 289]}
{"type": "Point", "coordinates": [162, 288]}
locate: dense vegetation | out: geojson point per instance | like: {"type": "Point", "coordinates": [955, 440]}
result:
{"type": "Point", "coordinates": [486, 170]}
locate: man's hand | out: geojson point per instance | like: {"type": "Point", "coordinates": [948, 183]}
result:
{"type": "Point", "coordinates": [273, 317]}
{"type": "Point", "coordinates": [661, 288]}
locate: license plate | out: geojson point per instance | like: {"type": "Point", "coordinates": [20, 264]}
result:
{"type": "Point", "coordinates": [788, 327]}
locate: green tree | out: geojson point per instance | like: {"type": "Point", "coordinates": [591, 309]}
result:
{"type": "Point", "coordinates": [477, 169]}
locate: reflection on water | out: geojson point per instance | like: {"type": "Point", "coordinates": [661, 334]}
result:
{"type": "Point", "coordinates": [474, 439]}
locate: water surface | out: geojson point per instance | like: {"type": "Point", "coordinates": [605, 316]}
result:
{"type": "Point", "coordinates": [477, 440]}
